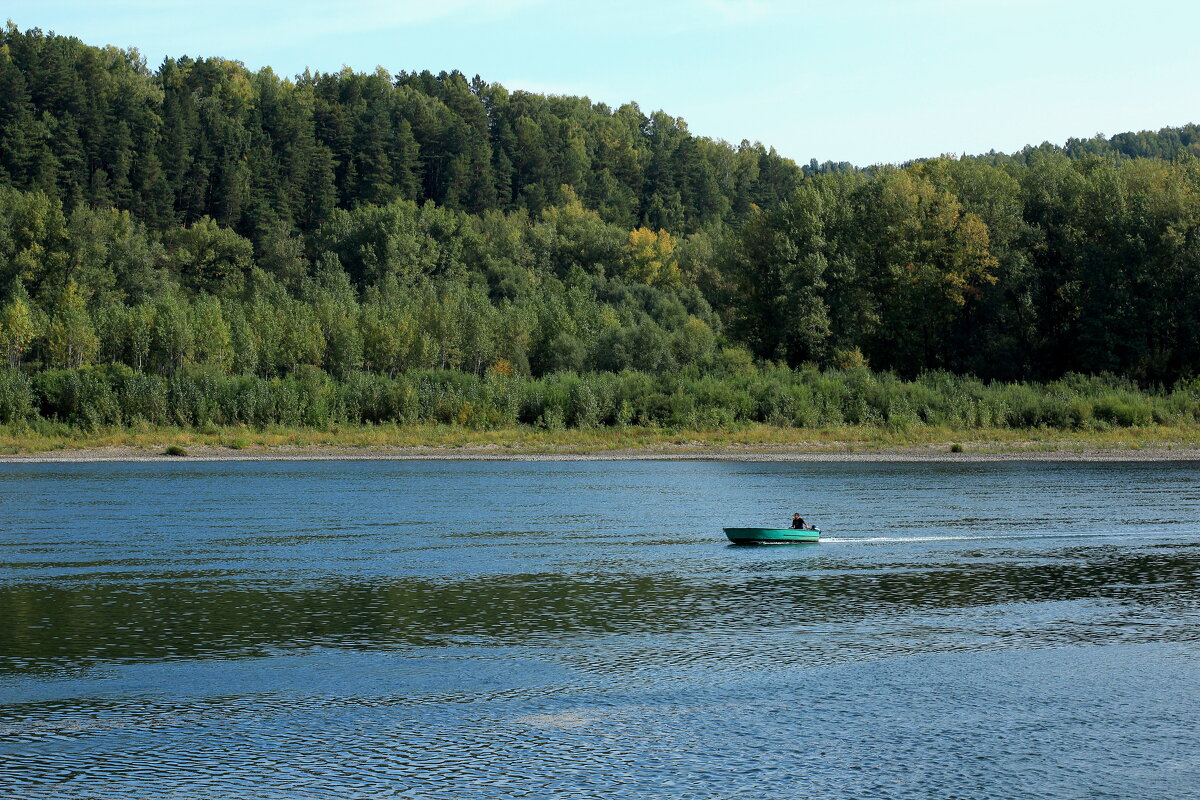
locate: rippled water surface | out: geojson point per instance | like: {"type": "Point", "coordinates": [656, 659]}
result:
{"type": "Point", "coordinates": [579, 630]}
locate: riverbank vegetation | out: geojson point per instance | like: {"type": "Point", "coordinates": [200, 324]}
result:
{"type": "Point", "coordinates": [200, 246]}
{"type": "Point", "coordinates": [116, 396]}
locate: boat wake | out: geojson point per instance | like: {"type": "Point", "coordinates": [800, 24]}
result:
{"type": "Point", "coordinates": [997, 536]}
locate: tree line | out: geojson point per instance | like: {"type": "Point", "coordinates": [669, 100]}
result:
{"type": "Point", "coordinates": [206, 138]}
{"type": "Point", "coordinates": [1013, 271]}
{"type": "Point", "coordinates": [203, 219]}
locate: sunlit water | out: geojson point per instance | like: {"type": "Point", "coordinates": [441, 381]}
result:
{"type": "Point", "coordinates": [579, 630]}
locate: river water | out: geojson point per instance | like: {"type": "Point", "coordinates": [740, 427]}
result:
{"type": "Point", "coordinates": [582, 630]}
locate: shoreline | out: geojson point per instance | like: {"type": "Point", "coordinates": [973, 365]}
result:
{"type": "Point", "coordinates": [781, 454]}
{"type": "Point", "coordinates": [63, 444]}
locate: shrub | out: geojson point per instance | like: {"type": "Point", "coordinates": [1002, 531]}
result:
{"type": "Point", "coordinates": [16, 397]}
{"type": "Point", "coordinates": [583, 405]}
{"type": "Point", "coordinates": [1125, 412]}
{"type": "Point", "coordinates": [81, 397]}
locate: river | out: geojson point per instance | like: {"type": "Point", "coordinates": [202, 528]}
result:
{"type": "Point", "coordinates": [277, 630]}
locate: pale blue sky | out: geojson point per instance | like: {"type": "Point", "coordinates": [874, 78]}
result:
{"type": "Point", "coordinates": [865, 81]}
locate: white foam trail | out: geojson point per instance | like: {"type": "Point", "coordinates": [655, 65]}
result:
{"type": "Point", "coordinates": [993, 537]}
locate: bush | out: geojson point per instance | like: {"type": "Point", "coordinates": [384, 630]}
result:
{"type": "Point", "coordinates": [583, 405]}
{"type": "Point", "coordinates": [16, 397]}
{"type": "Point", "coordinates": [1124, 412]}
{"type": "Point", "coordinates": [82, 397]}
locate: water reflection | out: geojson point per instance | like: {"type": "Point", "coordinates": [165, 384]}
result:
{"type": "Point", "coordinates": [170, 616]}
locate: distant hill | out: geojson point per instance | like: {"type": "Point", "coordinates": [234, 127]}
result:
{"type": "Point", "coordinates": [207, 137]}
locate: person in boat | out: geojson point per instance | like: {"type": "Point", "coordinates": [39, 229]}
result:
{"type": "Point", "coordinates": [799, 524]}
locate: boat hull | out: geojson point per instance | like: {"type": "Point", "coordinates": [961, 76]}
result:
{"type": "Point", "coordinates": [772, 536]}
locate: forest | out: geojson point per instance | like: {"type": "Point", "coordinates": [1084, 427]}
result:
{"type": "Point", "coordinates": [198, 243]}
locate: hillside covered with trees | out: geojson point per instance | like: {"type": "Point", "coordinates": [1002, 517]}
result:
{"type": "Point", "coordinates": [201, 243]}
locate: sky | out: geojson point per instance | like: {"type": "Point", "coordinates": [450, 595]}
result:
{"type": "Point", "coordinates": [864, 81]}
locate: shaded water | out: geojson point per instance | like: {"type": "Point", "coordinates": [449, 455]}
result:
{"type": "Point", "coordinates": [495, 630]}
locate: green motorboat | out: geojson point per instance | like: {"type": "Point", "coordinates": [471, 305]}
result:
{"type": "Point", "coordinates": [773, 535]}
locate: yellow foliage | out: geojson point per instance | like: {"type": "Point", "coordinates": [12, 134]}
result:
{"type": "Point", "coordinates": [570, 211]}
{"type": "Point", "coordinates": [850, 358]}
{"type": "Point", "coordinates": [650, 258]}
{"type": "Point", "coordinates": [71, 339]}
{"type": "Point", "coordinates": [973, 260]}
{"type": "Point", "coordinates": [932, 240]}
{"type": "Point", "coordinates": [17, 330]}
{"type": "Point", "coordinates": [609, 319]}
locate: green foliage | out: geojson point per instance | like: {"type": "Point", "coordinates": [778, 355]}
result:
{"type": "Point", "coordinates": [17, 329]}
{"type": "Point", "coordinates": [33, 238]}
{"type": "Point", "coordinates": [203, 398]}
{"type": "Point", "coordinates": [16, 397]}
{"type": "Point", "coordinates": [204, 245]}
{"type": "Point", "coordinates": [207, 257]}
{"type": "Point", "coordinates": [71, 339]}
{"type": "Point", "coordinates": [206, 141]}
